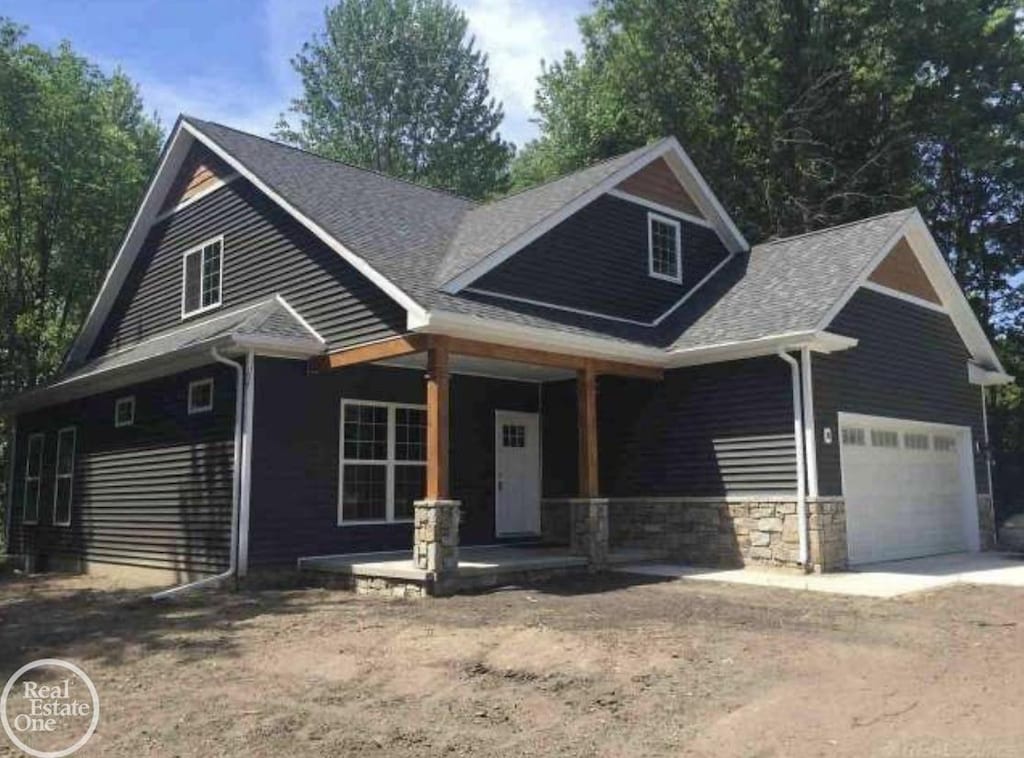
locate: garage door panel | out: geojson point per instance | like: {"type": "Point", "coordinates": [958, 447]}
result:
{"type": "Point", "coordinates": [905, 493]}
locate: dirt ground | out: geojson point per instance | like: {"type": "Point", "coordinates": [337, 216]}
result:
{"type": "Point", "coordinates": [607, 666]}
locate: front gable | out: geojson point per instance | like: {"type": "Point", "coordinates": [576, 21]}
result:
{"type": "Point", "coordinates": [656, 184]}
{"type": "Point", "coordinates": [597, 261]}
{"type": "Point", "coordinates": [900, 271]}
{"type": "Point", "coordinates": [201, 172]}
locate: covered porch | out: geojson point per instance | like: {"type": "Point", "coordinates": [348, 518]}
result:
{"type": "Point", "coordinates": [436, 564]}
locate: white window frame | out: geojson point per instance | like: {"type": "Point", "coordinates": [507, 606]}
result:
{"type": "Point", "coordinates": [38, 478]}
{"type": "Point", "coordinates": [196, 409]}
{"type": "Point", "coordinates": [198, 250]}
{"type": "Point", "coordinates": [667, 221]}
{"type": "Point", "coordinates": [389, 463]}
{"type": "Point", "coordinates": [130, 402]}
{"type": "Point", "coordinates": [70, 476]}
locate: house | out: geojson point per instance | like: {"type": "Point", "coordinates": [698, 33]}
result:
{"type": "Point", "coordinates": [292, 357]}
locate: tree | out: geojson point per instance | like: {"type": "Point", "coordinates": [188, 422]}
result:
{"type": "Point", "coordinates": [75, 153]}
{"type": "Point", "coordinates": [396, 86]}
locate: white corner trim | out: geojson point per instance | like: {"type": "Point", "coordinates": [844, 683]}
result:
{"type": "Point", "coordinates": [653, 217]}
{"type": "Point", "coordinates": [680, 164]}
{"type": "Point", "coordinates": [216, 184]}
{"type": "Point", "coordinates": [354, 260]}
{"type": "Point", "coordinates": [681, 215]}
{"type": "Point", "coordinates": [986, 377]}
{"type": "Point", "coordinates": [904, 296]}
{"type": "Point", "coordinates": [299, 317]}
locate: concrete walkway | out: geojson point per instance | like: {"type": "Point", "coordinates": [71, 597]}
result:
{"type": "Point", "coordinates": [875, 580]}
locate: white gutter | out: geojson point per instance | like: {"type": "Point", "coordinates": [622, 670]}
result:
{"type": "Point", "coordinates": [235, 489]}
{"type": "Point", "coordinates": [798, 433]}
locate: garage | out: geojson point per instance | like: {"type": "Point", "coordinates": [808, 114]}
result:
{"type": "Point", "coordinates": [908, 486]}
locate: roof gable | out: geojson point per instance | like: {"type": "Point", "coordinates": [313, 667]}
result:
{"type": "Point", "coordinates": [901, 271]}
{"type": "Point", "coordinates": [201, 172]}
{"type": "Point", "coordinates": [657, 184]}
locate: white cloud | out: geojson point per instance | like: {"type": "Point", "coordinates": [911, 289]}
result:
{"type": "Point", "coordinates": [517, 35]}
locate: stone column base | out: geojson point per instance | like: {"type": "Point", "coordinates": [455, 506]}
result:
{"type": "Point", "coordinates": [436, 538]}
{"type": "Point", "coordinates": [589, 530]}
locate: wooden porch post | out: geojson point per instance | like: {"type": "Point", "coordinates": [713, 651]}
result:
{"type": "Point", "coordinates": [437, 421]}
{"type": "Point", "coordinates": [586, 399]}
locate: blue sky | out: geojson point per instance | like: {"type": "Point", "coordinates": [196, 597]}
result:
{"type": "Point", "coordinates": [228, 60]}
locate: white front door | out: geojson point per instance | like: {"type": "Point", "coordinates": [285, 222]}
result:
{"type": "Point", "coordinates": [517, 473]}
{"type": "Point", "coordinates": [909, 488]}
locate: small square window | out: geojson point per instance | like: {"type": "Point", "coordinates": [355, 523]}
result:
{"type": "Point", "coordinates": [200, 396]}
{"type": "Point", "coordinates": [513, 435]}
{"type": "Point", "coordinates": [664, 254]}
{"type": "Point", "coordinates": [124, 411]}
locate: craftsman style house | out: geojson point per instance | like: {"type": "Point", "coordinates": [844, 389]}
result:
{"type": "Point", "coordinates": [292, 357]}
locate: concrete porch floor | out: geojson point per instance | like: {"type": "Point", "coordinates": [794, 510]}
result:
{"type": "Point", "coordinates": [884, 580]}
{"type": "Point", "coordinates": [479, 567]}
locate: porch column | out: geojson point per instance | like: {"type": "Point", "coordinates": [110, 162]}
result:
{"type": "Point", "coordinates": [589, 516]}
{"type": "Point", "coordinates": [436, 537]}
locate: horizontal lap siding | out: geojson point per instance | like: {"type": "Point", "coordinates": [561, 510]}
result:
{"type": "Point", "coordinates": [909, 363]}
{"type": "Point", "coordinates": [266, 252]}
{"type": "Point", "coordinates": [597, 260]}
{"type": "Point", "coordinates": [704, 431]}
{"type": "Point", "coordinates": [294, 507]}
{"type": "Point", "coordinates": [156, 494]}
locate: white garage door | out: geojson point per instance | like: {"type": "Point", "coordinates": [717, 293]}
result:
{"type": "Point", "coordinates": [909, 488]}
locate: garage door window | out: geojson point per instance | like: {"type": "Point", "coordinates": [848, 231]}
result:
{"type": "Point", "coordinates": [853, 436]}
{"type": "Point", "coordinates": [945, 444]}
{"type": "Point", "coordinates": [884, 438]}
{"type": "Point", "coordinates": [914, 441]}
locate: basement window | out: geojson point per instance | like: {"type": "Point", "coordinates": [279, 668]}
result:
{"type": "Point", "coordinates": [383, 466]}
{"type": "Point", "coordinates": [664, 248]}
{"type": "Point", "coordinates": [200, 396]}
{"type": "Point", "coordinates": [124, 411]}
{"type": "Point", "coordinates": [201, 272]}
{"type": "Point", "coordinates": [63, 479]}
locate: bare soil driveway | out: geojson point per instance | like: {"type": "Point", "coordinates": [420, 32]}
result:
{"type": "Point", "coordinates": [612, 666]}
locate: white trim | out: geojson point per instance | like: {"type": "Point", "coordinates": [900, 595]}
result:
{"type": "Point", "coordinates": [988, 457]}
{"type": "Point", "coordinates": [354, 260]}
{"type": "Point", "coordinates": [555, 306]}
{"type": "Point", "coordinates": [810, 433]}
{"type": "Point", "coordinates": [819, 342]}
{"type": "Point", "coordinates": [197, 409]}
{"type": "Point", "coordinates": [130, 401]}
{"type": "Point", "coordinates": [199, 250]}
{"type": "Point", "coordinates": [801, 469]}
{"type": "Point", "coordinates": [667, 209]}
{"type": "Point", "coordinates": [388, 463]}
{"type": "Point", "coordinates": [653, 218]}
{"type": "Point", "coordinates": [677, 160]}
{"type": "Point", "coordinates": [70, 476]}
{"type": "Point", "coordinates": [300, 318]}
{"type": "Point", "coordinates": [245, 488]}
{"type": "Point", "coordinates": [215, 185]}
{"type": "Point", "coordinates": [37, 478]}
{"type": "Point", "coordinates": [904, 296]}
{"type": "Point", "coordinates": [693, 289]}
{"type": "Point", "coordinates": [986, 377]}
{"type": "Point", "coordinates": [173, 155]}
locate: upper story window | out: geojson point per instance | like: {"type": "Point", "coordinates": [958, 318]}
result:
{"type": "Point", "coordinates": [664, 254]}
{"type": "Point", "coordinates": [202, 267]}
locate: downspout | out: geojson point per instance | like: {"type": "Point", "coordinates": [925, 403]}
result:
{"type": "Point", "coordinates": [798, 439]}
{"type": "Point", "coordinates": [988, 467]}
{"type": "Point", "coordinates": [235, 489]}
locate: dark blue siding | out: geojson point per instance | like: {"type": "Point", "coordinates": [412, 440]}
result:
{"type": "Point", "coordinates": [910, 363]}
{"type": "Point", "coordinates": [704, 431]}
{"type": "Point", "coordinates": [265, 252]}
{"type": "Point", "coordinates": [156, 494]}
{"type": "Point", "coordinates": [294, 507]}
{"type": "Point", "coordinates": [596, 260]}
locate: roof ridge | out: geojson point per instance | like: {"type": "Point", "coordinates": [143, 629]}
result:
{"type": "Point", "coordinates": [844, 225]}
{"type": "Point", "coordinates": [336, 161]}
{"type": "Point", "coordinates": [567, 174]}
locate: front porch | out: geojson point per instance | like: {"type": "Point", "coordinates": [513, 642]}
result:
{"type": "Point", "coordinates": [395, 573]}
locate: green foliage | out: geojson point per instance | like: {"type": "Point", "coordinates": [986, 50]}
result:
{"type": "Point", "coordinates": [75, 152]}
{"type": "Point", "coordinates": [396, 86]}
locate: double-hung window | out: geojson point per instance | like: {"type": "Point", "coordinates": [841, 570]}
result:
{"type": "Point", "coordinates": [63, 478]}
{"type": "Point", "coordinates": [664, 248]}
{"type": "Point", "coordinates": [383, 461]}
{"type": "Point", "coordinates": [33, 474]}
{"type": "Point", "coordinates": [201, 271]}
